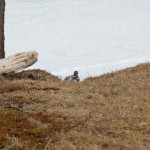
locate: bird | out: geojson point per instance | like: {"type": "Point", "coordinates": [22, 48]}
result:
{"type": "Point", "coordinates": [73, 77]}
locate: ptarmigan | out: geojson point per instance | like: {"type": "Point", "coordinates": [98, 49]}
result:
{"type": "Point", "coordinates": [73, 77]}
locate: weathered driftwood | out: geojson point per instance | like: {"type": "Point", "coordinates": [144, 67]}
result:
{"type": "Point", "coordinates": [18, 62]}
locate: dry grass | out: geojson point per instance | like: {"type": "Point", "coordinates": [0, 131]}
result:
{"type": "Point", "coordinates": [112, 111]}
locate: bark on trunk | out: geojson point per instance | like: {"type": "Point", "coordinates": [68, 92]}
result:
{"type": "Point", "coordinates": [2, 38]}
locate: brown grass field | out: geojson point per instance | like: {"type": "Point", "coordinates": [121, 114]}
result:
{"type": "Point", "coordinates": [38, 111]}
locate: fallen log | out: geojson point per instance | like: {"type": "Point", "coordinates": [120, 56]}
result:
{"type": "Point", "coordinates": [18, 62]}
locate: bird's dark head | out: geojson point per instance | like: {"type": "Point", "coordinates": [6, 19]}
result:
{"type": "Point", "coordinates": [76, 73]}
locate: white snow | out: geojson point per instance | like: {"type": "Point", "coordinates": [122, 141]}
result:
{"type": "Point", "coordinates": [91, 36]}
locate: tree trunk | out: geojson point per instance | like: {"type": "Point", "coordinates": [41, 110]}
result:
{"type": "Point", "coordinates": [2, 38]}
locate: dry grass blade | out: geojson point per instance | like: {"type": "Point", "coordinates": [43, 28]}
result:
{"type": "Point", "coordinates": [47, 144]}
